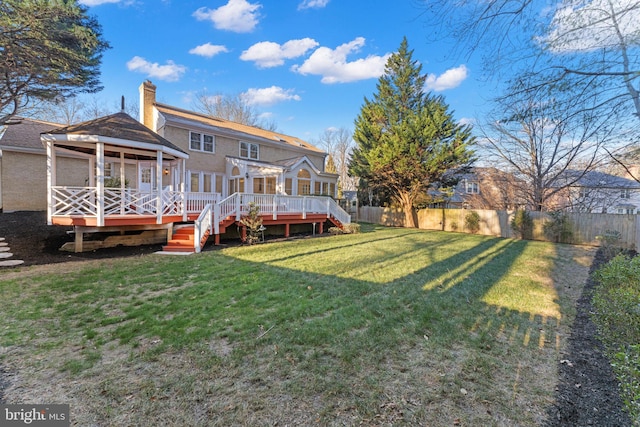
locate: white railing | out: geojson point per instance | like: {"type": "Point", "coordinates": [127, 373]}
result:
{"type": "Point", "coordinates": [202, 228]}
{"type": "Point", "coordinates": [237, 205]}
{"type": "Point", "coordinates": [196, 202]}
{"type": "Point", "coordinates": [74, 201]}
{"type": "Point", "coordinates": [85, 201]}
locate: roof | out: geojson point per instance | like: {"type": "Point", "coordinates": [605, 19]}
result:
{"type": "Point", "coordinates": [596, 179]}
{"type": "Point", "coordinates": [118, 126]}
{"type": "Point", "coordinates": [275, 138]}
{"type": "Point", "coordinates": [24, 134]}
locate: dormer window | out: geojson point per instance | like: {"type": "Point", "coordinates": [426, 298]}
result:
{"type": "Point", "coordinates": [471, 187]}
{"type": "Point", "coordinates": [249, 150]}
{"type": "Point", "coordinates": [201, 142]}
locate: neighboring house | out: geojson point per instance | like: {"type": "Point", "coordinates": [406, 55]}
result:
{"type": "Point", "coordinates": [599, 192]}
{"type": "Point", "coordinates": [482, 188]}
{"type": "Point", "coordinates": [227, 157]}
{"type": "Point", "coordinates": [181, 167]}
{"type": "Point", "coordinates": [23, 165]}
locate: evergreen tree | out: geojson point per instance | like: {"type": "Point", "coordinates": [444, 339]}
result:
{"type": "Point", "coordinates": [407, 141]}
{"type": "Point", "coordinates": [49, 50]}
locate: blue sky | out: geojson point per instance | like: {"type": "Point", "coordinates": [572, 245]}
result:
{"type": "Point", "coordinates": [305, 64]}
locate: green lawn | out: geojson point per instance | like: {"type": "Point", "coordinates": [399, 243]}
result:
{"type": "Point", "coordinates": [386, 327]}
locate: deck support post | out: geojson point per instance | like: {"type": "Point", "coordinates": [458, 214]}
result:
{"type": "Point", "coordinates": [79, 237]}
{"type": "Point", "coordinates": [286, 230]}
{"type": "Point", "coordinates": [320, 227]}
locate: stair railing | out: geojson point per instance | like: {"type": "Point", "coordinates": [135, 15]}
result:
{"type": "Point", "coordinates": [203, 228]}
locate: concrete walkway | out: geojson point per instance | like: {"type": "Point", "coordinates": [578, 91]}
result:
{"type": "Point", "coordinates": [6, 255]}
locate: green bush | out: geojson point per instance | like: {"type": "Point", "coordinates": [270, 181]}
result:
{"type": "Point", "coordinates": [616, 302]}
{"type": "Point", "coordinates": [559, 229]}
{"type": "Point", "coordinates": [472, 222]}
{"type": "Point", "coordinates": [610, 243]}
{"type": "Point", "coordinates": [522, 224]}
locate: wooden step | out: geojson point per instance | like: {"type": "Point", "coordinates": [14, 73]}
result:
{"type": "Point", "coordinates": [181, 241]}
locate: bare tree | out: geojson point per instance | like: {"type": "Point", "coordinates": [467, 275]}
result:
{"type": "Point", "coordinates": [541, 138]}
{"type": "Point", "coordinates": [77, 109]}
{"type": "Point", "coordinates": [339, 143]}
{"type": "Point", "coordinates": [231, 107]}
{"type": "Point", "coordinates": [574, 48]}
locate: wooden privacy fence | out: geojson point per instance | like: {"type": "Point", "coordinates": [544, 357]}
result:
{"type": "Point", "coordinates": [585, 227]}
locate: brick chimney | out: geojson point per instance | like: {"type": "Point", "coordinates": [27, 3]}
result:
{"type": "Point", "coordinates": [147, 101]}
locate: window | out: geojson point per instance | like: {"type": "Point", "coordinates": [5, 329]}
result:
{"type": "Point", "coordinates": [195, 182]}
{"type": "Point", "coordinates": [288, 186]}
{"type": "Point", "coordinates": [249, 150]}
{"type": "Point", "coordinates": [626, 211]}
{"type": "Point", "coordinates": [304, 182]}
{"type": "Point", "coordinates": [108, 170]}
{"type": "Point", "coordinates": [270, 184]}
{"type": "Point", "coordinates": [258, 185]}
{"type": "Point", "coordinates": [472, 187]}
{"type": "Point", "coordinates": [202, 142]}
{"type": "Point", "coordinates": [625, 193]}
{"type": "Point", "coordinates": [583, 193]}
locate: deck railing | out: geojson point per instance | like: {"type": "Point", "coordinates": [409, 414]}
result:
{"type": "Point", "coordinates": [85, 201]}
{"type": "Point", "coordinates": [237, 205]}
{"type": "Point", "coordinates": [202, 227]}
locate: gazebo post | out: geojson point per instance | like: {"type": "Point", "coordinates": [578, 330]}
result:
{"type": "Point", "coordinates": [159, 187]}
{"type": "Point", "coordinates": [100, 182]}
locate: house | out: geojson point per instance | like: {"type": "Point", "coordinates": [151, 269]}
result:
{"type": "Point", "coordinates": [177, 167]}
{"type": "Point", "coordinates": [598, 192]}
{"type": "Point", "coordinates": [23, 162]}
{"type": "Point", "coordinates": [227, 157]}
{"type": "Point", "coordinates": [482, 188]}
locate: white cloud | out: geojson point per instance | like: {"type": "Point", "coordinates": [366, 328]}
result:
{"type": "Point", "coordinates": [333, 66]}
{"type": "Point", "coordinates": [170, 72]}
{"type": "Point", "coordinates": [208, 50]}
{"type": "Point", "coordinates": [312, 4]}
{"type": "Point", "coordinates": [238, 16]}
{"type": "Point", "coordinates": [269, 95]}
{"type": "Point", "coordinates": [270, 54]}
{"type": "Point", "coordinates": [584, 27]}
{"type": "Point", "coordinates": [448, 80]}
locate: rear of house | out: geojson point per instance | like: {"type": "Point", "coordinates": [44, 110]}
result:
{"type": "Point", "coordinates": [176, 167]}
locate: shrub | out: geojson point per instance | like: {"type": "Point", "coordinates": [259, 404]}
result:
{"type": "Point", "coordinates": [253, 221]}
{"type": "Point", "coordinates": [610, 243]}
{"type": "Point", "coordinates": [616, 302]}
{"type": "Point", "coordinates": [559, 229]}
{"type": "Point", "coordinates": [472, 222]}
{"type": "Point", "coordinates": [522, 224]}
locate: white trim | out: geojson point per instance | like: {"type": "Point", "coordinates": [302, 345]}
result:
{"type": "Point", "coordinates": [114, 141]}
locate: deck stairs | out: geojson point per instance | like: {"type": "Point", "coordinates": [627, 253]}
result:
{"type": "Point", "coordinates": [181, 240]}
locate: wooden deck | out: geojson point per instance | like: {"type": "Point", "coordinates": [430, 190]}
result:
{"type": "Point", "coordinates": [80, 210]}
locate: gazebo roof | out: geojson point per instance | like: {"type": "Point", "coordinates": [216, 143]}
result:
{"type": "Point", "coordinates": [117, 129]}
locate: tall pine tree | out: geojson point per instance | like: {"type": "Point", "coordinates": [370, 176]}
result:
{"type": "Point", "coordinates": [407, 140]}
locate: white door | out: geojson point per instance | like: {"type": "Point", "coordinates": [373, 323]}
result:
{"type": "Point", "coordinates": [146, 178]}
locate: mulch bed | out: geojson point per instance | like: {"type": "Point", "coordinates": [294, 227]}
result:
{"type": "Point", "coordinates": [587, 393]}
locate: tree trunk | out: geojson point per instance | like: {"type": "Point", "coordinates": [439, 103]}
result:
{"type": "Point", "coordinates": [406, 201]}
